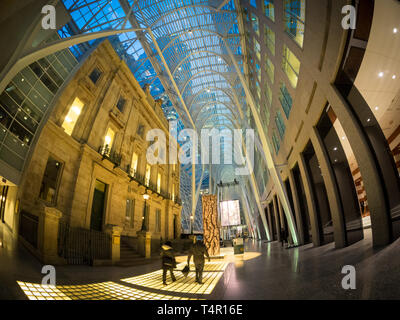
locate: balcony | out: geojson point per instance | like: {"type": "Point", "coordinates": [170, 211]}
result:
{"type": "Point", "coordinates": [140, 179]}
{"type": "Point", "coordinates": [110, 155]}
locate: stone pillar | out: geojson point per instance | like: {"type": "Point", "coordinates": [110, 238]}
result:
{"type": "Point", "coordinates": [144, 243]}
{"type": "Point", "coordinates": [268, 218]}
{"type": "Point", "coordinates": [331, 189]}
{"type": "Point", "coordinates": [310, 201]}
{"type": "Point", "coordinates": [49, 218]}
{"type": "Point", "coordinates": [115, 232]}
{"type": "Point", "coordinates": [372, 180]}
{"type": "Point", "coordinates": [297, 210]}
{"type": "Point", "coordinates": [276, 214]}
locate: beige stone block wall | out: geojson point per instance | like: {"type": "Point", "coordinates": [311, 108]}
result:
{"type": "Point", "coordinates": [82, 164]}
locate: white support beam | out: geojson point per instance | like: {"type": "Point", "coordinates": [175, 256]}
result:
{"type": "Point", "coordinates": [267, 151]}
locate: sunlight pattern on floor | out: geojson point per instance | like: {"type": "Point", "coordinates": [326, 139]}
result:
{"type": "Point", "coordinates": [96, 291]}
{"type": "Point", "coordinates": [213, 271]}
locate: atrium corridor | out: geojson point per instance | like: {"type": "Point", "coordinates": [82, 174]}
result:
{"type": "Point", "coordinates": [265, 271]}
{"type": "Point", "coordinates": [262, 133]}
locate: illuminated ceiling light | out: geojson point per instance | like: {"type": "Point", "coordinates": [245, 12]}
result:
{"type": "Point", "coordinates": [368, 120]}
{"type": "Point", "coordinates": [380, 74]}
{"type": "Point", "coordinates": [335, 149]}
{"type": "Point", "coordinates": [343, 138]}
{"type": "Point", "coordinates": [395, 30]}
{"type": "Point", "coordinates": [394, 77]}
{"type": "Point", "coordinates": [376, 108]}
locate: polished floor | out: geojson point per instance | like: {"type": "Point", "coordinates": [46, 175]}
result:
{"type": "Point", "coordinates": [266, 271]}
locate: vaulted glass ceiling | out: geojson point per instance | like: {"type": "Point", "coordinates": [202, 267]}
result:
{"type": "Point", "coordinates": [183, 50]}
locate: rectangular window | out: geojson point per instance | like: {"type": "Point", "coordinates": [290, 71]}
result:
{"type": "Point", "coordinates": [147, 176]}
{"type": "Point", "coordinates": [72, 116]}
{"type": "Point", "coordinates": [268, 93]}
{"type": "Point", "coordinates": [280, 124]}
{"type": "Point", "coordinates": [258, 90]}
{"type": "Point", "coordinates": [270, 70]}
{"type": "Point", "coordinates": [158, 220]}
{"type": "Point", "coordinates": [134, 164]}
{"type": "Point", "coordinates": [294, 17]}
{"type": "Point", "coordinates": [159, 182]}
{"type": "Point", "coordinates": [266, 117]}
{"type": "Point", "coordinates": [108, 141]}
{"type": "Point", "coordinates": [95, 75]}
{"type": "Point", "coordinates": [140, 130]}
{"type": "Point", "coordinates": [121, 104]}
{"type": "Point", "coordinates": [285, 99]}
{"type": "Point", "coordinates": [50, 181]}
{"type": "Point", "coordinates": [253, 3]}
{"type": "Point", "coordinates": [254, 21]}
{"type": "Point", "coordinates": [276, 142]}
{"type": "Point", "coordinates": [291, 66]}
{"type": "Point", "coordinates": [257, 49]}
{"type": "Point", "coordinates": [130, 212]}
{"type": "Point", "coordinates": [269, 9]}
{"type": "Point", "coordinates": [270, 39]}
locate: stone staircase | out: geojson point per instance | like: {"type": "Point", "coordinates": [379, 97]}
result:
{"type": "Point", "coordinates": [129, 257]}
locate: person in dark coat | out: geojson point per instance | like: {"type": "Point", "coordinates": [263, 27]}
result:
{"type": "Point", "coordinates": [198, 251]}
{"type": "Point", "coordinates": [168, 261]}
{"type": "Point", "coordinates": [283, 237]}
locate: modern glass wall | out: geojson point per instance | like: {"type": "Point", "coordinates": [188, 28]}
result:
{"type": "Point", "coordinates": [25, 101]}
{"type": "Point", "coordinates": [269, 9]}
{"type": "Point", "coordinates": [294, 17]}
{"type": "Point", "coordinates": [285, 99]}
{"type": "Point", "coordinates": [291, 66]}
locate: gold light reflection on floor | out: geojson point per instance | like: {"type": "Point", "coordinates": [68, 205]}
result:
{"type": "Point", "coordinates": [213, 271]}
{"type": "Point", "coordinates": [96, 291]}
{"type": "Point", "coordinates": [243, 257]}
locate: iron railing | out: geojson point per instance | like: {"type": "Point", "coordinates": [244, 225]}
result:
{"type": "Point", "coordinates": [82, 246]}
{"type": "Point", "coordinates": [110, 155]}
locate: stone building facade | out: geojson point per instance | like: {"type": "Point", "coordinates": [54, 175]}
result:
{"type": "Point", "coordinates": [90, 159]}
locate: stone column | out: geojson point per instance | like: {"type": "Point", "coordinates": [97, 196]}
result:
{"type": "Point", "coordinates": [49, 218]}
{"type": "Point", "coordinates": [115, 232]}
{"type": "Point", "coordinates": [310, 201]}
{"type": "Point", "coordinates": [297, 210]}
{"type": "Point", "coordinates": [331, 189]}
{"type": "Point", "coordinates": [380, 220]}
{"type": "Point", "coordinates": [144, 243]}
{"type": "Point", "coordinates": [276, 214]}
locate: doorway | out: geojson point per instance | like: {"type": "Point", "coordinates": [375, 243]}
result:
{"type": "Point", "coordinates": [98, 204]}
{"type": "Point", "coordinates": [175, 227]}
{"type": "Point", "coordinates": [3, 199]}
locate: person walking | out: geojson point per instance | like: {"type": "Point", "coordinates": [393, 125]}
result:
{"type": "Point", "coordinates": [168, 261]}
{"type": "Point", "coordinates": [283, 238]}
{"type": "Point", "coordinates": [198, 251]}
